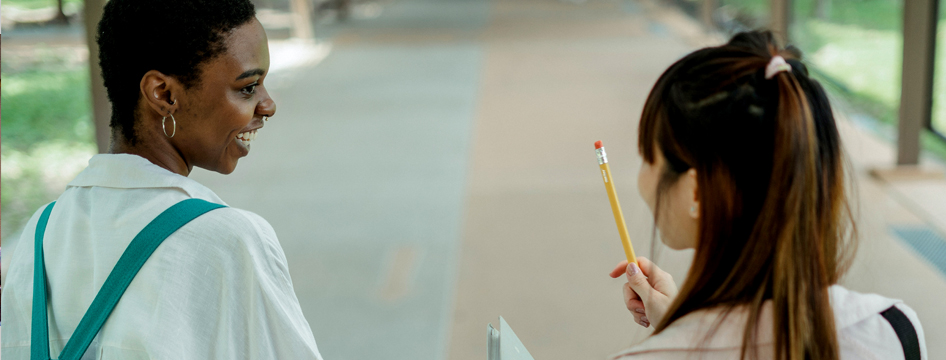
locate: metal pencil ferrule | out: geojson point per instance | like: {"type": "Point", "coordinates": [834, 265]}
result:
{"type": "Point", "coordinates": [602, 156]}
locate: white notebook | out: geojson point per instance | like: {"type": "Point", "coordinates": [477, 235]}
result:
{"type": "Point", "coordinates": [503, 344]}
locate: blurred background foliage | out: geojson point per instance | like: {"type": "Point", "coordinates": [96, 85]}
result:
{"type": "Point", "coordinates": [39, 4]}
{"type": "Point", "coordinates": [853, 46]}
{"type": "Point", "coordinates": [47, 131]}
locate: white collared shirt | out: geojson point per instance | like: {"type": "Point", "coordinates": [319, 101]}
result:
{"type": "Point", "coordinates": [862, 332]}
{"type": "Point", "coordinates": [218, 288]}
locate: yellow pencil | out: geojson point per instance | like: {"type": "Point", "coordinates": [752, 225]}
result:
{"type": "Point", "coordinates": [615, 205]}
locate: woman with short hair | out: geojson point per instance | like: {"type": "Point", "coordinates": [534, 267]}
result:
{"type": "Point", "coordinates": [185, 78]}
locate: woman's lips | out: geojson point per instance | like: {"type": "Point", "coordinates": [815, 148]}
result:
{"type": "Point", "coordinates": [244, 139]}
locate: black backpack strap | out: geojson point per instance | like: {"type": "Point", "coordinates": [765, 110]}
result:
{"type": "Point", "coordinates": [905, 332]}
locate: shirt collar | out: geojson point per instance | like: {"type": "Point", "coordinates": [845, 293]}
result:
{"type": "Point", "coordinates": [127, 171]}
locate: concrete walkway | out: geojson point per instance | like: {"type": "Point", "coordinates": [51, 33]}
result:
{"type": "Point", "coordinates": [436, 171]}
{"type": "Point", "coordinates": [363, 174]}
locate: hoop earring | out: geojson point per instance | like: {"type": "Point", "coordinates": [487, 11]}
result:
{"type": "Point", "coordinates": [173, 122]}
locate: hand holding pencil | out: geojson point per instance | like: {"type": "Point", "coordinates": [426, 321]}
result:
{"type": "Point", "coordinates": [646, 295]}
{"type": "Point", "coordinates": [648, 292]}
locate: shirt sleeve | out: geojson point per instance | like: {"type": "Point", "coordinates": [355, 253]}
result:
{"type": "Point", "coordinates": [232, 296]}
{"type": "Point", "coordinates": [18, 285]}
{"type": "Point", "coordinates": [282, 319]}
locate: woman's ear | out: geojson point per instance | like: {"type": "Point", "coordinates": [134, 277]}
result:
{"type": "Point", "coordinates": [693, 192]}
{"type": "Point", "coordinates": [161, 92]}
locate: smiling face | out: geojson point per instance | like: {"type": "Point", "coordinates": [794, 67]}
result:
{"type": "Point", "coordinates": [227, 105]}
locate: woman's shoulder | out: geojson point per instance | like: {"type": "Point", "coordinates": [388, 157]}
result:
{"type": "Point", "coordinates": [864, 330]}
{"type": "Point", "coordinates": [233, 238]}
{"type": "Point", "coordinates": [231, 223]}
{"type": "Point", "coordinates": [230, 231]}
{"type": "Point", "coordinates": [851, 306]}
{"type": "Point", "coordinates": [711, 333]}
{"type": "Point", "coordinates": [236, 218]}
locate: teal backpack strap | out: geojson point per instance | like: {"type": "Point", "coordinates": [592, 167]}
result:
{"type": "Point", "coordinates": [39, 342]}
{"type": "Point", "coordinates": [137, 253]}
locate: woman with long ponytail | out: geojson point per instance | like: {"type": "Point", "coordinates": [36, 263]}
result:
{"type": "Point", "coordinates": [743, 163]}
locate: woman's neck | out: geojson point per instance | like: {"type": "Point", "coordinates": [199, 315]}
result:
{"type": "Point", "coordinates": [160, 153]}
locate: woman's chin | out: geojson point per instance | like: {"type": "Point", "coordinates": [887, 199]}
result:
{"type": "Point", "coordinates": [235, 151]}
{"type": "Point", "coordinates": [228, 162]}
{"type": "Point", "coordinates": [675, 244]}
{"type": "Point", "coordinates": [228, 168]}
{"type": "Point", "coordinates": [240, 148]}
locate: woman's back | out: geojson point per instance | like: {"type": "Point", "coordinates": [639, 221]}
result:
{"type": "Point", "coordinates": [218, 288]}
{"type": "Point", "coordinates": [863, 333]}
{"type": "Point", "coordinates": [743, 163]}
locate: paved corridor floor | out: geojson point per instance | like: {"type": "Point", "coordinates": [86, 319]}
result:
{"type": "Point", "coordinates": [436, 171]}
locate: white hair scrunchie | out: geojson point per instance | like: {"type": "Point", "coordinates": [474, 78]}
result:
{"type": "Point", "coordinates": [775, 66]}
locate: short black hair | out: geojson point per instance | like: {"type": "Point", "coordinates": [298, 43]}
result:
{"type": "Point", "coordinates": [174, 37]}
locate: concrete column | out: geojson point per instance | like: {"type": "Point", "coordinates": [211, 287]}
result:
{"type": "Point", "coordinates": [101, 107]}
{"type": "Point", "coordinates": [301, 19]}
{"type": "Point", "coordinates": [781, 19]}
{"type": "Point", "coordinates": [706, 13]}
{"type": "Point", "coordinates": [916, 97]}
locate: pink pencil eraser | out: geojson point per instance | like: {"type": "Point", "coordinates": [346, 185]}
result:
{"type": "Point", "coordinates": [598, 144]}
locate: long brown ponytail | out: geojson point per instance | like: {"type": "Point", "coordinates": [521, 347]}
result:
{"type": "Point", "coordinates": [774, 219]}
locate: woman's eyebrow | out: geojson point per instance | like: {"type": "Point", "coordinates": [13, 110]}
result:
{"type": "Point", "coordinates": [249, 73]}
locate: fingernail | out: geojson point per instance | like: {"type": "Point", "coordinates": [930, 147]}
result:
{"type": "Point", "coordinates": [639, 311]}
{"type": "Point", "coordinates": [632, 269]}
{"type": "Point", "coordinates": [644, 319]}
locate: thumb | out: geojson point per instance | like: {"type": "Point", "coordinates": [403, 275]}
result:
{"type": "Point", "coordinates": [638, 282]}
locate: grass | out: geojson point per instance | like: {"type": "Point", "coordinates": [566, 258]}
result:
{"type": "Point", "coordinates": [48, 133]}
{"type": "Point", "coordinates": [884, 15]}
{"type": "Point", "coordinates": [47, 138]}
{"type": "Point", "coordinates": [46, 106]}
{"type": "Point", "coordinates": [866, 61]}
{"type": "Point", "coordinates": [858, 45]}
{"type": "Point", "coordinates": [856, 50]}
{"type": "Point", "coordinates": [35, 177]}
{"type": "Point", "coordinates": [939, 80]}
{"type": "Point", "coordinates": [934, 144]}
{"type": "Point", "coordinates": [871, 14]}
{"type": "Point", "coordinates": [38, 4]}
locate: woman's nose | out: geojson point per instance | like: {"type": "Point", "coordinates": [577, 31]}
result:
{"type": "Point", "coordinates": [267, 106]}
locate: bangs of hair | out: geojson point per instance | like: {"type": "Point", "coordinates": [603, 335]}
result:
{"type": "Point", "coordinates": [653, 115]}
{"type": "Point", "coordinates": [647, 130]}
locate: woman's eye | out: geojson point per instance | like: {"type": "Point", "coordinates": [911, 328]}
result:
{"type": "Point", "coordinates": [249, 89]}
